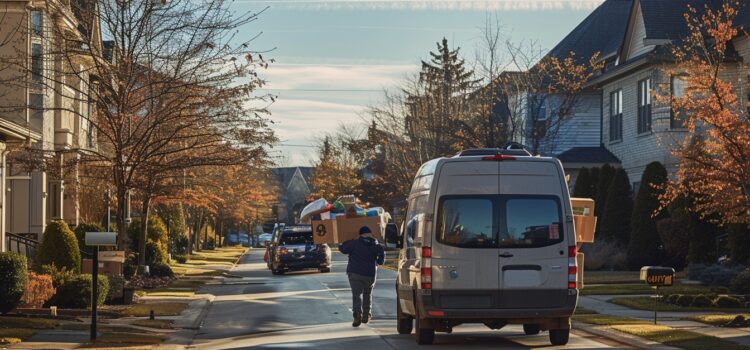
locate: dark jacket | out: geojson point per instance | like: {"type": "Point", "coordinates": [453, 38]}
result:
{"type": "Point", "coordinates": [365, 254]}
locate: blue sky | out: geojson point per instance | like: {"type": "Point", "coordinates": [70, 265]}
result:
{"type": "Point", "coordinates": [334, 58]}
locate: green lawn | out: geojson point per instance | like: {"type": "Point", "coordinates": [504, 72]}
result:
{"type": "Point", "coordinates": [606, 320]}
{"type": "Point", "coordinates": [716, 320]}
{"type": "Point", "coordinates": [647, 303]}
{"type": "Point", "coordinates": [607, 277]}
{"type": "Point", "coordinates": [16, 329]}
{"type": "Point", "coordinates": [678, 338]}
{"type": "Point", "coordinates": [160, 309]}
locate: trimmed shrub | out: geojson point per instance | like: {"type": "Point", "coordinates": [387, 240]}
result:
{"type": "Point", "coordinates": [702, 301]}
{"type": "Point", "coordinates": [13, 279]}
{"type": "Point", "coordinates": [160, 270]}
{"type": "Point", "coordinates": [39, 289]}
{"type": "Point", "coordinates": [727, 302]}
{"type": "Point", "coordinates": [75, 292]}
{"type": "Point", "coordinates": [116, 285]}
{"type": "Point", "coordinates": [180, 258]}
{"type": "Point", "coordinates": [643, 247]}
{"type": "Point", "coordinates": [181, 244]}
{"type": "Point", "coordinates": [672, 298]}
{"type": "Point", "coordinates": [80, 232]}
{"type": "Point", "coordinates": [59, 276]}
{"type": "Point", "coordinates": [685, 300]}
{"type": "Point", "coordinates": [606, 174]}
{"type": "Point", "coordinates": [718, 275]}
{"type": "Point", "coordinates": [130, 267]}
{"type": "Point", "coordinates": [618, 209]}
{"type": "Point", "coordinates": [583, 187]}
{"type": "Point", "coordinates": [155, 253]}
{"type": "Point", "coordinates": [59, 247]}
{"type": "Point", "coordinates": [157, 231]}
{"type": "Point", "coordinates": [741, 282]}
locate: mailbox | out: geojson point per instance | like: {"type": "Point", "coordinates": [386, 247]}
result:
{"type": "Point", "coordinates": [101, 239]}
{"type": "Point", "coordinates": [657, 276]}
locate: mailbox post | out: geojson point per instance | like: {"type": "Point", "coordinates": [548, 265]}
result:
{"type": "Point", "coordinates": [657, 276]}
{"type": "Point", "coordinates": [97, 239]}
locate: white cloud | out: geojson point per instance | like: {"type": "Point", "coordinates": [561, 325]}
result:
{"type": "Point", "coordinates": [314, 100]}
{"type": "Point", "coordinates": [474, 5]}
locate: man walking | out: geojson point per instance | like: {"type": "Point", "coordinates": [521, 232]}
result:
{"type": "Point", "coordinates": [365, 254]}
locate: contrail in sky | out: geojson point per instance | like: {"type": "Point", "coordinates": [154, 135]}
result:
{"type": "Point", "coordinates": [474, 5]}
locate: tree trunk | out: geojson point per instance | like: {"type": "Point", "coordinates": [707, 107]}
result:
{"type": "Point", "coordinates": [122, 230]}
{"type": "Point", "coordinates": [144, 232]}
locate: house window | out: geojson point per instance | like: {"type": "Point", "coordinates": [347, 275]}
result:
{"type": "Point", "coordinates": [644, 106]}
{"type": "Point", "coordinates": [678, 119]}
{"type": "Point", "coordinates": [36, 113]}
{"type": "Point", "coordinates": [615, 116]}
{"type": "Point", "coordinates": [37, 23]}
{"type": "Point", "coordinates": [36, 62]}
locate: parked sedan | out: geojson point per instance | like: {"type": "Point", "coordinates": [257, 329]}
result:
{"type": "Point", "coordinates": [296, 250]}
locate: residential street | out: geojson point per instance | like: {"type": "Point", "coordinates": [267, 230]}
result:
{"type": "Point", "coordinates": [309, 309]}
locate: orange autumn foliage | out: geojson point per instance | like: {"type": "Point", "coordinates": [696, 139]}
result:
{"type": "Point", "coordinates": [715, 157]}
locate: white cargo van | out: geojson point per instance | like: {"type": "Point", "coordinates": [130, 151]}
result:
{"type": "Point", "coordinates": [488, 238]}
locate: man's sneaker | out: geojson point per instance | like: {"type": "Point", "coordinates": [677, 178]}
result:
{"type": "Point", "coordinates": [357, 321]}
{"type": "Point", "coordinates": [366, 318]}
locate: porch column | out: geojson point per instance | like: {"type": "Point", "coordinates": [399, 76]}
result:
{"type": "Point", "coordinates": [38, 206]}
{"type": "Point", "coordinates": [70, 204]}
{"type": "Point", "coordinates": [3, 229]}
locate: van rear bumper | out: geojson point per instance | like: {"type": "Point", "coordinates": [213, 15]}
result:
{"type": "Point", "coordinates": [497, 308]}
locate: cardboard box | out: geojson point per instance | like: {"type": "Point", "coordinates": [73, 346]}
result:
{"type": "Point", "coordinates": [348, 228]}
{"type": "Point", "coordinates": [323, 231]}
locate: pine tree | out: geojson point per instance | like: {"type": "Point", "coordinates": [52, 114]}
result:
{"type": "Point", "coordinates": [643, 247]}
{"type": "Point", "coordinates": [583, 187]}
{"type": "Point", "coordinates": [615, 218]}
{"type": "Point", "coordinates": [606, 173]}
{"type": "Point", "coordinates": [594, 176]}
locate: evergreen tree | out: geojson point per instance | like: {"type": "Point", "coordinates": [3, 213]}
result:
{"type": "Point", "coordinates": [702, 240]}
{"type": "Point", "coordinates": [618, 207]}
{"type": "Point", "coordinates": [739, 243]}
{"type": "Point", "coordinates": [644, 245]}
{"type": "Point", "coordinates": [583, 187]}
{"type": "Point", "coordinates": [606, 173]}
{"type": "Point", "coordinates": [594, 176]}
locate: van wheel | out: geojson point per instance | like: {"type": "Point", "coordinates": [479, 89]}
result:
{"type": "Point", "coordinates": [325, 270]}
{"type": "Point", "coordinates": [404, 323]}
{"type": "Point", "coordinates": [531, 329]}
{"type": "Point", "coordinates": [559, 336]}
{"type": "Point", "coordinates": [425, 336]}
{"type": "Point", "coordinates": [277, 272]}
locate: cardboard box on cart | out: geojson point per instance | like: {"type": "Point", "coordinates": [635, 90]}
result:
{"type": "Point", "coordinates": [323, 231]}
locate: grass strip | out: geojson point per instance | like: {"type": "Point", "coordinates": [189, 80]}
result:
{"type": "Point", "coordinates": [160, 309]}
{"type": "Point", "coordinates": [640, 288]}
{"type": "Point", "coordinates": [606, 320]}
{"type": "Point", "coordinates": [678, 338]}
{"type": "Point", "coordinates": [647, 303]}
{"type": "Point", "coordinates": [716, 320]}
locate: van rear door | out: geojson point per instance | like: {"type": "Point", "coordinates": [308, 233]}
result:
{"type": "Point", "coordinates": [464, 253]}
{"type": "Point", "coordinates": [532, 235]}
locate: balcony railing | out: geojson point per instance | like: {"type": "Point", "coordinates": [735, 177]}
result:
{"type": "Point", "coordinates": [22, 243]}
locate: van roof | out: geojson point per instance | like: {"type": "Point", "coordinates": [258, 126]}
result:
{"type": "Point", "coordinates": [493, 151]}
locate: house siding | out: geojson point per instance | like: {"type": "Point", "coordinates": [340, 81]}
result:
{"type": "Point", "coordinates": [636, 44]}
{"type": "Point", "coordinates": [582, 129]}
{"type": "Point", "coordinates": [635, 151]}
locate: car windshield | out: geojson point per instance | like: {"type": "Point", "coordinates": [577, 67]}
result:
{"type": "Point", "coordinates": [291, 238]}
{"type": "Point", "coordinates": [500, 221]}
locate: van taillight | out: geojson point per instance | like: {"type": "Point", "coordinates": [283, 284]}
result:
{"type": "Point", "coordinates": [426, 268]}
{"type": "Point", "coordinates": [572, 267]}
{"type": "Point", "coordinates": [499, 157]}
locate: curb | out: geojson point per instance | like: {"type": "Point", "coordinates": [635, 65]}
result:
{"type": "Point", "coordinates": [623, 338]}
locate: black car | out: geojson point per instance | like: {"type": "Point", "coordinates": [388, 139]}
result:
{"type": "Point", "coordinates": [294, 250]}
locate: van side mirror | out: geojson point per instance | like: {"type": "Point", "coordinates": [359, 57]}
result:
{"type": "Point", "coordinates": [391, 233]}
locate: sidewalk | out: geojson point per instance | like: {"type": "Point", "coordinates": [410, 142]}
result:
{"type": "Point", "coordinates": [675, 320]}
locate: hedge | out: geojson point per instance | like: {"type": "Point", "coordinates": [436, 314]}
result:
{"type": "Point", "coordinates": [75, 292]}
{"type": "Point", "coordinates": [13, 278]}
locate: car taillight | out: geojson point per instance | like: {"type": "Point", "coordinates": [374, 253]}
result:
{"type": "Point", "coordinates": [572, 267]}
{"type": "Point", "coordinates": [499, 157]}
{"type": "Point", "coordinates": [283, 251]}
{"type": "Point", "coordinates": [426, 268]}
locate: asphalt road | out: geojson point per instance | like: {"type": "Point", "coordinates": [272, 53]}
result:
{"type": "Point", "coordinates": [312, 310]}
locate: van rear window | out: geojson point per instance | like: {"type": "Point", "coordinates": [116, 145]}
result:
{"type": "Point", "coordinates": [500, 221]}
{"type": "Point", "coordinates": [294, 238]}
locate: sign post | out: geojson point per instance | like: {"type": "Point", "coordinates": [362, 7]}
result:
{"type": "Point", "coordinates": [657, 276]}
{"type": "Point", "coordinates": [97, 239]}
